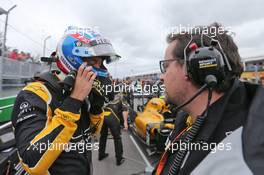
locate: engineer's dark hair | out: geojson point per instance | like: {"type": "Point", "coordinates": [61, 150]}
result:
{"type": "Point", "coordinates": [226, 41]}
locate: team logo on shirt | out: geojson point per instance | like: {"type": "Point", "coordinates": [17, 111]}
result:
{"type": "Point", "coordinates": [24, 105]}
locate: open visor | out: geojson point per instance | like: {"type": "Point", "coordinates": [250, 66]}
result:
{"type": "Point", "coordinates": [97, 50]}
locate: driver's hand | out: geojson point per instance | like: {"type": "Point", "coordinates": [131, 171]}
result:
{"type": "Point", "coordinates": [83, 83]}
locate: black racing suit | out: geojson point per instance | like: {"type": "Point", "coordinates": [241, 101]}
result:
{"type": "Point", "coordinates": [52, 131]}
{"type": "Point", "coordinates": [113, 122]}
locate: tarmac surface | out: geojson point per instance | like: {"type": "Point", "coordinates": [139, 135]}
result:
{"type": "Point", "coordinates": [138, 160]}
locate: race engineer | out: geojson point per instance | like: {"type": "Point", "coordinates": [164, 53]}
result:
{"type": "Point", "coordinates": [201, 74]}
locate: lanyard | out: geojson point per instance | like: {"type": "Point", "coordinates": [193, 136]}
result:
{"type": "Point", "coordinates": [164, 157]}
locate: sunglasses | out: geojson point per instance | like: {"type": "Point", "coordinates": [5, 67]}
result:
{"type": "Point", "coordinates": [164, 64]}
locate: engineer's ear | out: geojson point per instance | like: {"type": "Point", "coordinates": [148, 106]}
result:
{"type": "Point", "coordinates": [187, 78]}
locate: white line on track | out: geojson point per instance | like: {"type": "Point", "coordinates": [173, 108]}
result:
{"type": "Point", "coordinates": [140, 152]}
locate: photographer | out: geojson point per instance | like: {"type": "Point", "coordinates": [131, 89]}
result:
{"type": "Point", "coordinates": [54, 112]}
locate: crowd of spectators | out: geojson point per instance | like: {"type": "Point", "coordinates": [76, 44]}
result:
{"type": "Point", "coordinates": [20, 56]}
{"type": "Point", "coordinates": [15, 54]}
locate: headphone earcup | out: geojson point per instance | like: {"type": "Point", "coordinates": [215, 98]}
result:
{"type": "Point", "coordinates": [205, 61]}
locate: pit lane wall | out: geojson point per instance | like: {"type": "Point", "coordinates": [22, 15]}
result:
{"type": "Point", "coordinates": [13, 75]}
